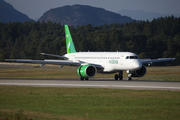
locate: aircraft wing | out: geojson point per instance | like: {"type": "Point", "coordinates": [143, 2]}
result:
{"type": "Point", "coordinates": [156, 60]}
{"type": "Point", "coordinates": [95, 65]}
{"type": "Point", "coordinates": [55, 62]}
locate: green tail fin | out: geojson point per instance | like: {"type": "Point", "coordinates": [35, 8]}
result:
{"type": "Point", "coordinates": [69, 42]}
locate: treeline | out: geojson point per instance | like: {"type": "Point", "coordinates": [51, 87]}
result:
{"type": "Point", "coordinates": [156, 39]}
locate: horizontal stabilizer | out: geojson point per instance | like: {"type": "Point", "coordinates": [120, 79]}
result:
{"type": "Point", "coordinates": [54, 55]}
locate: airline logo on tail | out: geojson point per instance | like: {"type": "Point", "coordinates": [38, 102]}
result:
{"type": "Point", "coordinates": [69, 42]}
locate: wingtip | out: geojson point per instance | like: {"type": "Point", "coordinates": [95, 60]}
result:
{"type": "Point", "coordinates": [10, 60]}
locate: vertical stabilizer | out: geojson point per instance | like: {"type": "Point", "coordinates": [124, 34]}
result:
{"type": "Point", "coordinates": [69, 42]}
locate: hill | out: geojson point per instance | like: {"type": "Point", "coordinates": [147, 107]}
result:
{"type": "Point", "coordinates": [82, 15]}
{"type": "Point", "coordinates": [8, 13]}
{"type": "Point", "coordinates": [142, 15]}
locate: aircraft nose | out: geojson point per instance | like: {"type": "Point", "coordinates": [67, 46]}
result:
{"type": "Point", "coordinates": [136, 64]}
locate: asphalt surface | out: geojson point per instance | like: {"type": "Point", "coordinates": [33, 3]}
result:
{"type": "Point", "coordinates": [94, 83]}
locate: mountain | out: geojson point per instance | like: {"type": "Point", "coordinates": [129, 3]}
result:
{"type": "Point", "coordinates": [142, 15]}
{"type": "Point", "coordinates": [8, 13]}
{"type": "Point", "coordinates": [82, 15]}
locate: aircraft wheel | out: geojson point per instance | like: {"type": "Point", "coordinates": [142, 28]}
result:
{"type": "Point", "coordinates": [129, 78]}
{"type": "Point", "coordinates": [82, 78]}
{"type": "Point", "coordinates": [86, 78]}
{"type": "Point", "coordinates": [121, 77]}
{"type": "Point", "coordinates": [116, 77]}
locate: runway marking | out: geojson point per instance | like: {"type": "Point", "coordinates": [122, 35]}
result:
{"type": "Point", "coordinates": [85, 85]}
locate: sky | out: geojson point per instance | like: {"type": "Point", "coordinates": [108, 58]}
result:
{"type": "Point", "coordinates": [35, 8]}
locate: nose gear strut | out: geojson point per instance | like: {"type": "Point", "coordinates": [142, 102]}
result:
{"type": "Point", "coordinates": [129, 75]}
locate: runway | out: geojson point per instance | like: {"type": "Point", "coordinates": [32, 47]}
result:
{"type": "Point", "coordinates": [94, 83]}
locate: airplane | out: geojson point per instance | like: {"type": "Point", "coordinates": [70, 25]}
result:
{"type": "Point", "coordinates": [90, 63]}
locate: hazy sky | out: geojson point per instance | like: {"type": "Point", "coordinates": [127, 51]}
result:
{"type": "Point", "coordinates": [35, 8]}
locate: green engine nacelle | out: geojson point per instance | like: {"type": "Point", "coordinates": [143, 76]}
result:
{"type": "Point", "coordinates": [86, 71]}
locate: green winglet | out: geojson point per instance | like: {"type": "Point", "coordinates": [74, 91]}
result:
{"type": "Point", "coordinates": [69, 42]}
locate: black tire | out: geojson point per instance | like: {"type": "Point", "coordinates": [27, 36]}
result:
{"type": "Point", "coordinates": [129, 78]}
{"type": "Point", "coordinates": [116, 77]}
{"type": "Point", "coordinates": [121, 77]}
{"type": "Point", "coordinates": [82, 78]}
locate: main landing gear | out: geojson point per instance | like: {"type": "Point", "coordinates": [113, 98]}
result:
{"type": "Point", "coordinates": [120, 76]}
{"type": "Point", "coordinates": [84, 78]}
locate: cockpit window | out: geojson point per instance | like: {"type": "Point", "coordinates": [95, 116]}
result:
{"type": "Point", "coordinates": [127, 57]}
{"type": "Point", "coordinates": [131, 57]}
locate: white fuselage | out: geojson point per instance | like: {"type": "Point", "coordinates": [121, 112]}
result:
{"type": "Point", "coordinates": [110, 61]}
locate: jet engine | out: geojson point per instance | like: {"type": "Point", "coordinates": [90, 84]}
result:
{"type": "Point", "coordinates": [139, 73]}
{"type": "Point", "coordinates": [86, 71]}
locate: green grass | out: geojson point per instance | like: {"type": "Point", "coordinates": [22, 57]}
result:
{"type": "Point", "coordinates": [88, 103]}
{"type": "Point", "coordinates": [35, 73]}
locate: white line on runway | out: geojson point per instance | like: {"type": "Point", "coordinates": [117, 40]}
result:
{"type": "Point", "coordinates": [85, 85]}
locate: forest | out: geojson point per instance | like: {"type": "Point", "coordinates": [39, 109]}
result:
{"type": "Point", "coordinates": [156, 39]}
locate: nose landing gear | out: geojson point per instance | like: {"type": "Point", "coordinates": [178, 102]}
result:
{"type": "Point", "coordinates": [129, 75]}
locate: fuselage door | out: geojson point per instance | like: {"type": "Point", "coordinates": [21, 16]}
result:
{"type": "Point", "coordinates": [121, 60]}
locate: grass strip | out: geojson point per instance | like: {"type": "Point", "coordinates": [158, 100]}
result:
{"type": "Point", "coordinates": [88, 103]}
